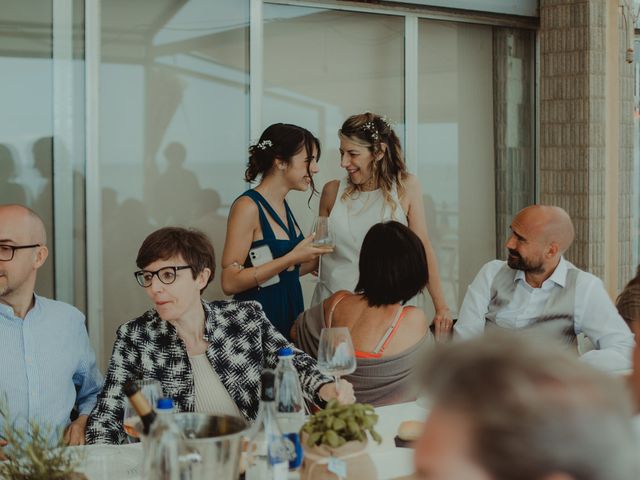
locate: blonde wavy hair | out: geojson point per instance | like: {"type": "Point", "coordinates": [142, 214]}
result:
{"type": "Point", "coordinates": [374, 132]}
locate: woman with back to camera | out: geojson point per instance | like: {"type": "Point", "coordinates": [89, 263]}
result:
{"type": "Point", "coordinates": [265, 251]}
{"type": "Point", "coordinates": [389, 337]}
{"type": "Point", "coordinates": [377, 188]}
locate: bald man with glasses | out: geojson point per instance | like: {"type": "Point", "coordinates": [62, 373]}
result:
{"type": "Point", "coordinates": [48, 365]}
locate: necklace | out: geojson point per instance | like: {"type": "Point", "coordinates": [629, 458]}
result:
{"type": "Point", "coordinates": [367, 186]}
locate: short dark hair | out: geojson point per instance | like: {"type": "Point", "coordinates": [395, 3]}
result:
{"type": "Point", "coordinates": [193, 245]}
{"type": "Point", "coordinates": [393, 264]}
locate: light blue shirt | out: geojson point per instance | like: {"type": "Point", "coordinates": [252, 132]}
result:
{"type": "Point", "coordinates": [44, 359]}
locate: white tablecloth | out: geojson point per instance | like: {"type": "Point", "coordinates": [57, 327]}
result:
{"type": "Point", "coordinates": [122, 461]}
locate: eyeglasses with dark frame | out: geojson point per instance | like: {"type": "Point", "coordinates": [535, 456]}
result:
{"type": "Point", "coordinates": [8, 251]}
{"type": "Point", "coordinates": [166, 275]}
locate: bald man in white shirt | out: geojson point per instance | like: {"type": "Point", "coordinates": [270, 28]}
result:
{"type": "Point", "coordinates": [537, 287]}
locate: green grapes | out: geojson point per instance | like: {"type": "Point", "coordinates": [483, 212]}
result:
{"type": "Point", "coordinates": [338, 424]}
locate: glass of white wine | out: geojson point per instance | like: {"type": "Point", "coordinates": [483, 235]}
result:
{"type": "Point", "coordinates": [323, 239]}
{"type": "Point", "coordinates": [152, 390]}
{"type": "Point", "coordinates": [336, 356]}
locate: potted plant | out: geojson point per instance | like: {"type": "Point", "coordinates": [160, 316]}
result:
{"type": "Point", "coordinates": [335, 442]}
{"type": "Point", "coordinates": [34, 452]}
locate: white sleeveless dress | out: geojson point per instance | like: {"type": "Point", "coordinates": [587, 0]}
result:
{"type": "Point", "coordinates": [350, 221]}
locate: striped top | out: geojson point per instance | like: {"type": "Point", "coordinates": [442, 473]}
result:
{"type": "Point", "coordinates": [45, 359]}
{"type": "Point", "coordinates": [210, 394]}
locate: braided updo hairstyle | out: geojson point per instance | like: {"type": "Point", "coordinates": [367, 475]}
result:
{"type": "Point", "coordinates": [374, 132]}
{"type": "Point", "coordinates": [281, 141]}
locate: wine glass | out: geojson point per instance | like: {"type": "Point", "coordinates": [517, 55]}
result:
{"type": "Point", "coordinates": [152, 390]}
{"type": "Point", "coordinates": [336, 355]}
{"type": "Point", "coordinates": [323, 239]}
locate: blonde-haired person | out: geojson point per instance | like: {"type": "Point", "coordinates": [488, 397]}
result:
{"type": "Point", "coordinates": [377, 188]}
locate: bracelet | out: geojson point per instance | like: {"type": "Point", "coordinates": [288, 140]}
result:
{"type": "Point", "coordinates": [234, 264]}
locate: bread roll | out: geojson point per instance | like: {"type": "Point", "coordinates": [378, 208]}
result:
{"type": "Point", "coordinates": [410, 430]}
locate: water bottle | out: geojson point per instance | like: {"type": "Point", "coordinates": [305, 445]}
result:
{"type": "Point", "coordinates": [290, 410]}
{"type": "Point", "coordinates": [162, 455]}
{"type": "Point", "coordinates": [270, 448]}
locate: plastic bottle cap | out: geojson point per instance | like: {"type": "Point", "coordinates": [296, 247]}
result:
{"type": "Point", "coordinates": [165, 404]}
{"type": "Point", "coordinates": [285, 352]}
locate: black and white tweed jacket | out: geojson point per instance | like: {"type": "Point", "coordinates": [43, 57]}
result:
{"type": "Point", "coordinates": [241, 343]}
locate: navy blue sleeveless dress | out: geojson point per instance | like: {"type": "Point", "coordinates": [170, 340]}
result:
{"type": "Point", "coordinates": [282, 302]}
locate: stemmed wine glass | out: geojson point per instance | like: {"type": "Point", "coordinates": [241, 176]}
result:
{"type": "Point", "coordinates": [152, 390]}
{"type": "Point", "coordinates": [323, 239]}
{"type": "Point", "coordinates": [336, 355]}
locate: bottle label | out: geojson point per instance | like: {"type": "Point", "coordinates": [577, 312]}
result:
{"type": "Point", "coordinates": [295, 450]}
{"type": "Point", "coordinates": [337, 466]}
{"type": "Point", "coordinates": [279, 471]}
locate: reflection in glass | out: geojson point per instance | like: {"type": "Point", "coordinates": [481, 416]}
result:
{"type": "Point", "coordinates": [456, 160]}
{"type": "Point", "coordinates": [26, 97]}
{"type": "Point", "coordinates": [174, 131]}
{"type": "Point", "coordinates": [35, 120]}
{"type": "Point", "coordinates": [513, 60]}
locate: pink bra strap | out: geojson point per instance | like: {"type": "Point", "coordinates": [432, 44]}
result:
{"type": "Point", "coordinates": [384, 341]}
{"type": "Point", "coordinates": [333, 307]}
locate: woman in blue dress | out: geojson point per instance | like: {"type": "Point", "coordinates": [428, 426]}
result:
{"type": "Point", "coordinates": [265, 251]}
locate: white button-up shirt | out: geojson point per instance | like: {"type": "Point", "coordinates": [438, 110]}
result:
{"type": "Point", "coordinates": [595, 314]}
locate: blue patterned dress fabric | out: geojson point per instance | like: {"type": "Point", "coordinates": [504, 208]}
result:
{"type": "Point", "coordinates": [282, 302]}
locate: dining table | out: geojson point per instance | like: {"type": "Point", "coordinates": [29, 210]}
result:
{"type": "Point", "coordinates": [122, 462]}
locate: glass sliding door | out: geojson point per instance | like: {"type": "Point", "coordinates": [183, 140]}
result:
{"type": "Point", "coordinates": [514, 117]}
{"type": "Point", "coordinates": [456, 149]}
{"type": "Point", "coordinates": [26, 135]}
{"type": "Point", "coordinates": [173, 132]}
{"type": "Point", "coordinates": [168, 122]}
{"type": "Point", "coordinates": [42, 133]}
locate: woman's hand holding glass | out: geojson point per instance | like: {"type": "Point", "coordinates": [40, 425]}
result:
{"type": "Point", "coordinates": [305, 251]}
{"type": "Point", "coordinates": [322, 239]}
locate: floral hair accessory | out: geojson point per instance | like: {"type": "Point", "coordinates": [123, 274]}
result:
{"type": "Point", "coordinates": [264, 144]}
{"type": "Point", "coordinates": [371, 128]}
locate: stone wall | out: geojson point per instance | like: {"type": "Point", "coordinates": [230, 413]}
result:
{"type": "Point", "coordinates": [573, 126]}
{"type": "Point", "coordinates": [627, 179]}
